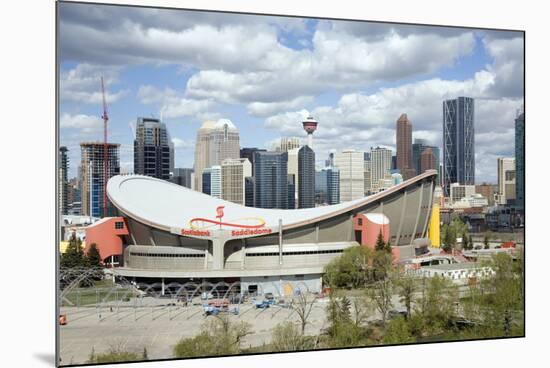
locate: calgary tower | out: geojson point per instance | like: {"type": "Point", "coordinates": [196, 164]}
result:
{"type": "Point", "coordinates": [310, 125]}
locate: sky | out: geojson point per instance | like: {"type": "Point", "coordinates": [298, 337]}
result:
{"type": "Point", "coordinates": [266, 74]}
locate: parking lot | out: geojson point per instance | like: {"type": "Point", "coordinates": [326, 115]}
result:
{"type": "Point", "coordinates": [158, 324]}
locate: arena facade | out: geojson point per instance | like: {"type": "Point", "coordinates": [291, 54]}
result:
{"type": "Point", "coordinates": [167, 232]}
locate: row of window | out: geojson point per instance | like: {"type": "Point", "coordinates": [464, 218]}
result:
{"type": "Point", "coordinates": [272, 254]}
{"type": "Point", "coordinates": [167, 255]}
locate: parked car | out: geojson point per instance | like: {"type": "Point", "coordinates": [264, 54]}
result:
{"type": "Point", "coordinates": [269, 296]}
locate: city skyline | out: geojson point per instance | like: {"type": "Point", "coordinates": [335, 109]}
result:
{"type": "Point", "coordinates": [184, 81]}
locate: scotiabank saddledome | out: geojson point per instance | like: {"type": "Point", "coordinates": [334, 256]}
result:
{"type": "Point", "coordinates": [168, 231]}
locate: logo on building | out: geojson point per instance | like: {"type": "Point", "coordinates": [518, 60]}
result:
{"type": "Point", "coordinates": [252, 225]}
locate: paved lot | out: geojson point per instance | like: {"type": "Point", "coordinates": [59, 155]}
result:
{"type": "Point", "coordinates": [158, 327]}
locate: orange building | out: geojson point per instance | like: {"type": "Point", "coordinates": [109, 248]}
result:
{"type": "Point", "coordinates": [107, 234]}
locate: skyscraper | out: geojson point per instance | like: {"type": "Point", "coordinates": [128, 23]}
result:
{"type": "Point", "coordinates": [216, 181]}
{"type": "Point", "coordinates": [403, 139]}
{"type": "Point", "coordinates": [427, 160]}
{"type": "Point", "coordinates": [294, 177]}
{"type": "Point", "coordinates": [234, 172]}
{"type": "Point", "coordinates": [417, 148]}
{"type": "Point", "coordinates": [380, 166]}
{"type": "Point", "coordinates": [458, 142]}
{"type": "Point", "coordinates": [216, 141]}
{"type": "Point", "coordinates": [320, 186]}
{"type": "Point", "coordinates": [183, 176]}
{"type": "Point", "coordinates": [152, 151]}
{"type": "Point", "coordinates": [270, 180]}
{"type": "Point", "coordinates": [92, 176]}
{"type": "Point", "coordinates": [306, 174]}
{"type": "Point", "coordinates": [206, 181]}
{"type": "Point", "coordinates": [248, 152]}
{"type": "Point", "coordinates": [506, 170]}
{"type": "Point", "coordinates": [351, 164]}
{"type": "Point", "coordinates": [520, 160]}
{"type": "Point", "coordinates": [287, 143]}
{"type": "Point", "coordinates": [63, 182]}
{"type": "Point", "coordinates": [333, 185]}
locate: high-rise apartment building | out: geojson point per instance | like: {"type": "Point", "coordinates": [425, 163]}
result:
{"type": "Point", "coordinates": [506, 178]}
{"type": "Point", "coordinates": [403, 139]}
{"type": "Point", "coordinates": [285, 144]}
{"type": "Point", "coordinates": [270, 180]}
{"type": "Point", "coordinates": [152, 151]}
{"type": "Point", "coordinates": [458, 142]}
{"type": "Point", "coordinates": [234, 172]}
{"type": "Point", "coordinates": [306, 175]}
{"type": "Point", "coordinates": [63, 183]}
{"type": "Point", "coordinates": [92, 176]}
{"type": "Point", "coordinates": [216, 141]}
{"type": "Point", "coordinates": [520, 159]}
{"type": "Point", "coordinates": [351, 164]}
{"type": "Point", "coordinates": [380, 166]}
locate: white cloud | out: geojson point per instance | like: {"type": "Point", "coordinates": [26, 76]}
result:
{"type": "Point", "coordinates": [173, 104]}
{"type": "Point", "coordinates": [83, 84]}
{"type": "Point", "coordinates": [184, 144]}
{"type": "Point", "coordinates": [363, 120]}
{"type": "Point", "coordinates": [86, 124]}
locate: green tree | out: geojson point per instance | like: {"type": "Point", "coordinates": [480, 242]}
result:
{"type": "Point", "coordinates": [448, 237]}
{"type": "Point", "coordinates": [380, 244]}
{"type": "Point", "coordinates": [438, 304]}
{"type": "Point", "coordinates": [286, 336]}
{"type": "Point", "coordinates": [74, 254]}
{"type": "Point", "coordinates": [218, 336]}
{"type": "Point", "coordinates": [93, 259]}
{"type": "Point", "coordinates": [406, 289]}
{"type": "Point", "coordinates": [398, 332]}
{"type": "Point", "coordinates": [343, 331]}
{"type": "Point", "coordinates": [351, 269]}
{"type": "Point", "coordinates": [501, 297]}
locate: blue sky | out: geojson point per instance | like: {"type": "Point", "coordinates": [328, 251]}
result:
{"type": "Point", "coordinates": [267, 73]}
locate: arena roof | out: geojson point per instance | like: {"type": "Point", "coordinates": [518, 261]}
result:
{"type": "Point", "coordinates": [166, 205]}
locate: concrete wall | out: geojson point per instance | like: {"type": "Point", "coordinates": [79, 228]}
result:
{"type": "Point", "coordinates": [283, 286]}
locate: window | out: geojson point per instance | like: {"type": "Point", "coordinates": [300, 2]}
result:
{"type": "Point", "coordinates": [119, 225]}
{"type": "Point", "coordinates": [360, 221]}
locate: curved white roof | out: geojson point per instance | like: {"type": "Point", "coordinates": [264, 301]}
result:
{"type": "Point", "coordinates": [220, 124]}
{"type": "Point", "coordinates": [167, 205]}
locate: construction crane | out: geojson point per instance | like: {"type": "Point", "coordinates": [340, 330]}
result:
{"type": "Point", "coordinates": [105, 118]}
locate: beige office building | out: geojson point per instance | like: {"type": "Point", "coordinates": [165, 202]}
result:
{"type": "Point", "coordinates": [351, 164]}
{"type": "Point", "coordinates": [506, 169]}
{"type": "Point", "coordinates": [216, 141]}
{"type": "Point", "coordinates": [234, 172]}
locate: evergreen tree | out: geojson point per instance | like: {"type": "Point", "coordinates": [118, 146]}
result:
{"type": "Point", "coordinates": [380, 243]}
{"type": "Point", "coordinates": [387, 248]}
{"type": "Point", "coordinates": [93, 258]}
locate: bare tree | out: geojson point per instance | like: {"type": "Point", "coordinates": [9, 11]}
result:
{"type": "Point", "coordinates": [380, 293]}
{"type": "Point", "coordinates": [361, 311]}
{"type": "Point", "coordinates": [302, 304]}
